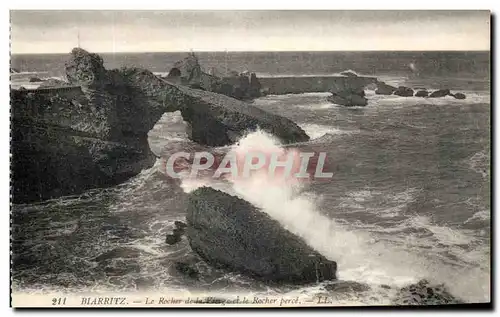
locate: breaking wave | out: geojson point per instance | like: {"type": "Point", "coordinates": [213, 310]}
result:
{"type": "Point", "coordinates": [363, 255]}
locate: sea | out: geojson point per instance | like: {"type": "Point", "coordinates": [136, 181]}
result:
{"type": "Point", "coordinates": [410, 196]}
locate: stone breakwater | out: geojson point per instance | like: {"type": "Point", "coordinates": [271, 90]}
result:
{"type": "Point", "coordinates": [97, 136]}
{"type": "Point", "coordinates": [304, 84]}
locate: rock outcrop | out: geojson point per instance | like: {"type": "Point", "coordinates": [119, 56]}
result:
{"type": "Point", "coordinates": [425, 293]}
{"type": "Point", "coordinates": [231, 233]}
{"type": "Point", "coordinates": [240, 86]}
{"type": "Point", "coordinates": [97, 136]}
{"type": "Point", "coordinates": [346, 95]}
{"type": "Point", "coordinates": [459, 95]}
{"type": "Point", "coordinates": [440, 93]}
{"type": "Point", "coordinates": [384, 89]}
{"type": "Point", "coordinates": [403, 91]}
{"type": "Point", "coordinates": [84, 68]}
{"type": "Point", "coordinates": [177, 233]}
{"type": "Point", "coordinates": [422, 93]}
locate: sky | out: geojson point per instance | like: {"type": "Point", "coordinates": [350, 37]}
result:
{"type": "Point", "coordinates": [177, 31]}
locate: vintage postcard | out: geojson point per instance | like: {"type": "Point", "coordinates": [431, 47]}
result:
{"type": "Point", "coordinates": [250, 158]}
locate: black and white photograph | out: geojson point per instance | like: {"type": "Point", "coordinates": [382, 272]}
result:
{"type": "Point", "coordinates": [244, 159]}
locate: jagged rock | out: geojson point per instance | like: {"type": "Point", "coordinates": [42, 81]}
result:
{"type": "Point", "coordinates": [425, 293]}
{"type": "Point", "coordinates": [422, 93]}
{"type": "Point", "coordinates": [187, 269]}
{"type": "Point", "coordinates": [179, 231]}
{"type": "Point", "coordinates": [348, 100]}
{"type": "Point", "coordinates": [384, 89]}
{"type": "Point", "coordinates": [403, 91]}
{"type": "Point", "coordinates": [172, 239]}
{"type": "Point", "coordinates": [439, 93]}
{"type": "Point", "coordinates": [231, 233]}
{"type": "Point", "coordinates": [239, 86]}
{"type": "Point", "coordinates": [459, 95]}
{"type": "Point", "coordinates": [85, 68]}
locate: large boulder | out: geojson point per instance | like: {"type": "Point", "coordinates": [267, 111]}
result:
{"type": "Point", "coordinates": [422, 93]}
{"type": "Point", "coordinates": [440, 93]}
{"type": "Point", "coordinates": [403, 91]}
{"type": "Point", "coordinates": [231, 233]}
{"type": "Point", "coordinates": [384, 89]}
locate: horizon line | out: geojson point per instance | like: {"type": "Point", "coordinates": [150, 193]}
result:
{"type": "Point", "coordinates": [249, 51]}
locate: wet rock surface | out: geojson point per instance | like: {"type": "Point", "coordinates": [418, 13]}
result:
{"type": "Point", "coordinates": [422, 93]}
{"type": "Point", "coordinates": [230, 233]}
{"type": "Point", "coordinates": [440, 93]}
{"type": "Point", "coordinates": [403, 91]}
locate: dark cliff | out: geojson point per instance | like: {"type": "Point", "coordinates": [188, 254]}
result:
{"type": "Point", "coordinates": [97, 136]}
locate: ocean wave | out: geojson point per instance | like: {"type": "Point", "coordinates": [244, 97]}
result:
{"type": "Point", "coordinates": [482, 215]}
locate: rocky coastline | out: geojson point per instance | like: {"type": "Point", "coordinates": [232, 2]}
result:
{"type": "Point", "coordinates": [94, 134]}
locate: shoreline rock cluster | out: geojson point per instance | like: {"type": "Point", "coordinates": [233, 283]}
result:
{"type": "Point", "coordinates": [351, 93]}
{"type": "Point", "coordinates": [188, 72]}
{"type": "Point", "coordinates": [96, 136]}
{"type": "Point", "coordinates": [403, 91]}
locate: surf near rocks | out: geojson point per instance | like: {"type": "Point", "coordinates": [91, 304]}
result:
{"type": "Point", "coordinates": [230, 233]}
{"type": "Point", "coordinates": [93, 132]}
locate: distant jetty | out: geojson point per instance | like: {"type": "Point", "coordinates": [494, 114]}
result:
{"type": "Point", "coordinates": [281, 85]}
